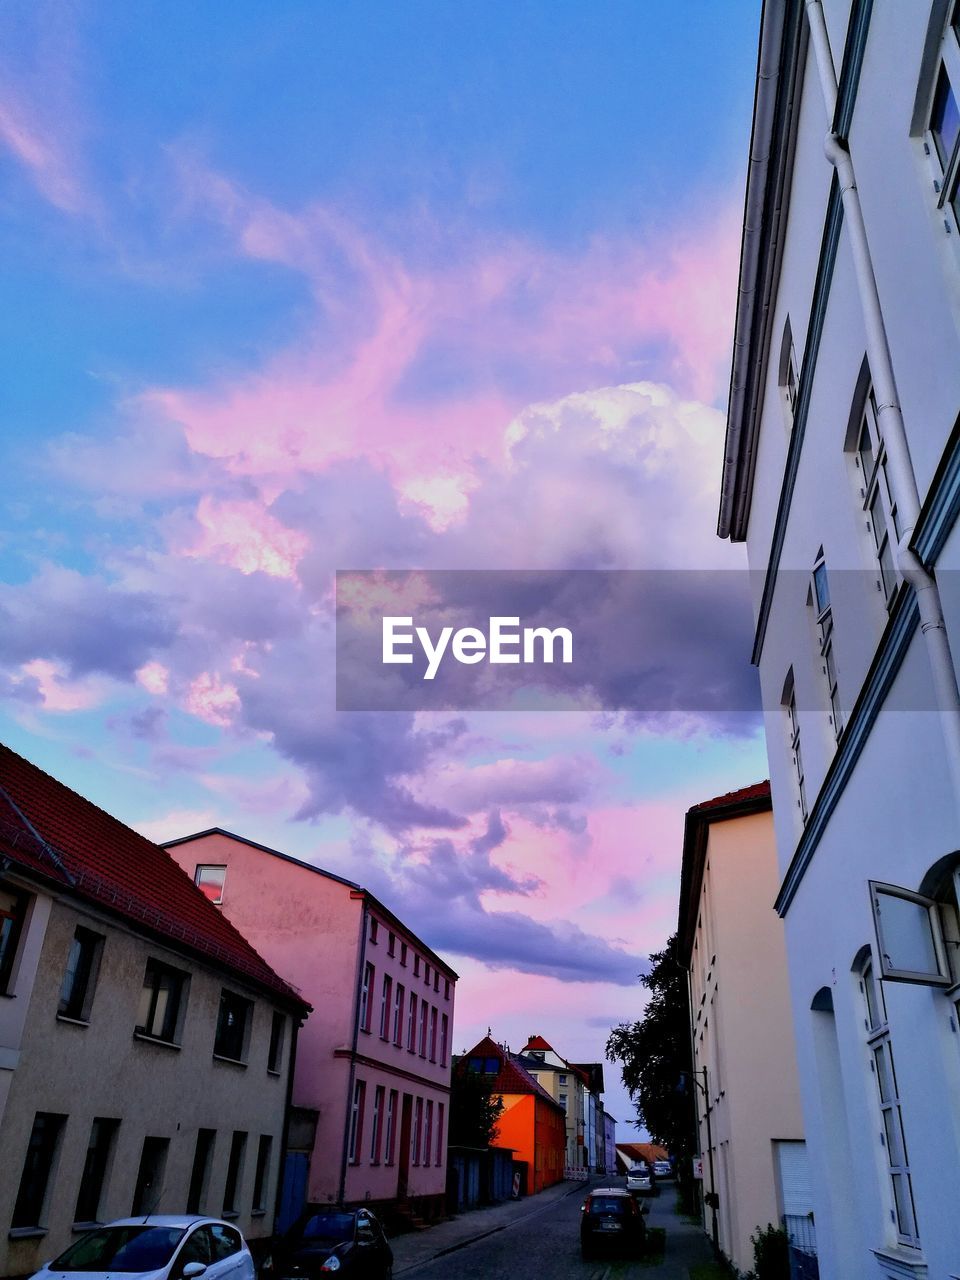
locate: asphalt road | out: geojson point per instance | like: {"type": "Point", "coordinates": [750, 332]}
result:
{"type": "Point", "coordinates": [545, 1243]}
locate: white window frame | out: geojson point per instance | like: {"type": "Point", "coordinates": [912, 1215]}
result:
{"type": "Point", "coordinates": [891, 1115]}
{"type": "Point", "coordinates": [888, 971]}
{"type": "Point", "coordinates": [880, 509]}
{"type": "Point", "coordinates": [793, 739]}
{"type": "Point", "coordinates": [945, 170]}
{"type": "Point", "coordinates": [823, 611]}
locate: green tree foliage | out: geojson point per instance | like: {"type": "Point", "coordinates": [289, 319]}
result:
{"type": "Point", "coordinates": [474, 1108]}
{"type": "Point", "coordinates": [654, 1057]}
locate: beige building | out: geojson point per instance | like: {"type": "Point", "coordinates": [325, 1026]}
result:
{"type": "Point", "coordinates": [748, 1103]}
{"type": "Point", "coordinates": [144, 1045]}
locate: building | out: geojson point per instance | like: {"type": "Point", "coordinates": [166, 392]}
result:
{"type": "Point", "coordinates": [578, 1090]}
{"type": "Point", "coordinates": [145, 1046]}
{"type": "Point", "coordinates": [731, 942]}
{"type": "Point", "coordinates": [609, 1143]}
{"type": "Point", "coordinates": [629, 1154]}
{"type": "Point", "coordinates": [840, 476]}
{"type": "Point", "coordinates": [372, 1078]}
{"type": "Point", "coordinates": [532, 1124]}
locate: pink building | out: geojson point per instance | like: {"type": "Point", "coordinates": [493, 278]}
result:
{"type": "Point", "coordinates": [371, 1083]}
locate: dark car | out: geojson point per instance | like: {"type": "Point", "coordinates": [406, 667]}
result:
{"type": "Point", "coordinates": [610, 1218]}
{"type": "Point", "coordinates": [326, 1239]}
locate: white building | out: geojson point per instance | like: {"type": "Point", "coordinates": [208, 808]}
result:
{"type": "Point", "coordinates": [842, 475]}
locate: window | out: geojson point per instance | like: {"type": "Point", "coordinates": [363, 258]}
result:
{"type": "Point", "coordinates": [439, 1133]}
{"type": "Point", "coordinates": [149, 1185]}
{"type": "Point", "coordinates": [233, 1026]}
{"type": "Point", "coordinates": [428, 1133]}
{"type": "Point", "coordinates": [424, 1016]}
{"type": "Point", "coordinates": [200, 1174]}
{"type": "Point", "coordinates": [910, 941]}
{"type": "Point", "coordinates": [426, 974]}
{"type": "Point", "coordinates": [561, 1078]}
{"type": "Point", "coordinates": [365, 1010]}
{"type": "Point", "coordinates": [162, 1002]}
{"type": "Point", "coordinates": [433, 1034]}
{"type": "Point", "coordinates": [390, 1129]}
{"type": "Point", "coordinates": [412, 1025]}
{"type": "Point", "coordinates": [226, 1241]}
{"type": "Point", "coordinates": [417, 1131]}
{"type": "Point", "coordinates": [891, 1133]}
{"type": "Point", "coordinates": [403, 953]}
{"type": "Point", "coordinates": [446, 988]}
{"type": "Point", "coordinates": [788, 378]}
{"type": "Point", "coordinates": [436, 980]}
{"type": "Point", "coordinates": [374, 930]}
{"type": "Point", "coordinates": [209, 880]}
{"type": "Point", "coordinates": [444, 1034]}
{"type": "Point", "coordinates": [416, 966]}
{"type": "Point", "coordinates": [102, 1135]}
{"type": "Point", "coordinates": [793, 737]}
{"type": "Point", "coordinates": [943, 126]}
{"type": "Point", "coordinates": [398, 1015]}
{"type": "Point", "coordinates": [391, 944]}
{"type": "Point", "coordinates": [238, 1149]}
{"type": "Point", "coordinates": [820, 600]}
{"type": "Point", "coordinates": [376, 1134]}
{"type": "Point", "coordinates": [385, 1007]}
{"type": "Point", "coordinates": [261, 1173]}
{"type": "Point", "coordinates": [79, 978]}
{"type": "Point", "coordinates": [356, 1120]}
{"type": "Point", "coordinates": [563, 1101]}
{"type": "Point", "coordinates": [879, 502]}
{"type": "Point", "coordinates": [13, 912]}
{"type": "Point", "coordinates": [277, 1031]}
{"type": "Point", "coordinates": [37, 1167]}
{"type": "Point", "coordinates": [198, 1247]}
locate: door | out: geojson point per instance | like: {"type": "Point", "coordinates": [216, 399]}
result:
{"type": "Point", "coordinates": [403, 1169]}
{"type": "Point", "coordinates": [294, 1191]}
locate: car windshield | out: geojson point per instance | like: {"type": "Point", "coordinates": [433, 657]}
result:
{"type": "Point", "coordinates": [608, 1204]}
{"type": "Point", "coordinates": [133, 1248]}
{"type": "Point", "coordinates": [327, 1226]}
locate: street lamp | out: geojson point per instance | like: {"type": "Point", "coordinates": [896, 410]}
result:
{"type": "Point", "coordinates": [712, 1201]}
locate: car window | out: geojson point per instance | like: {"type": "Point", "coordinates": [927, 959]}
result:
{"type": "Point", "coordinates": [326, 1226]}
{"type": "Point", "coordinates": [608, 1204]}
{"type": "Point", "coordinates": [226, 1242]}
{"type": "Point", "coordinates": [198, 1247]}
{"type": "Point", "coordinates": [133, 1248]}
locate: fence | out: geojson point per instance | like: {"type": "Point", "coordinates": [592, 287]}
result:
{"type": "Point", "coordinates": [802, 1236]}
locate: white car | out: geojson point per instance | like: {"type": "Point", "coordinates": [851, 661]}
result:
{"type": "Point", "coordinates": [640, 1180]}
{"type": "Point", "coordinates": [155, 1247]}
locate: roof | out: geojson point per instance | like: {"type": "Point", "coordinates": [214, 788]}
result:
{"type": "Point", "coordinates": [538, 1042]}
{"type": "Point", "coordinates": [732, 804]}
{"type": "Point", "coordinates": [54, 834]}
{"type": "Point", "coordinates": [512, 1077]}
{"type": "Point", "coordinates": [356, 889]}
{"type": "Point", "coordinates": [647, 1151]}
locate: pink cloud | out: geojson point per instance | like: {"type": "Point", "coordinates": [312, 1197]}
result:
{"type": "Point", "coordinates": [60, 693]}
{"type": "Point", "coordinates": [212, 699]}
{"type": "Point", "coordinates": [248, 537]}
{"type": "Point", "coordinates": [154, 677]}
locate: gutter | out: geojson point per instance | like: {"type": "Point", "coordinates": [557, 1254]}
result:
{"type": "Point", "coordinates": [758, 174]}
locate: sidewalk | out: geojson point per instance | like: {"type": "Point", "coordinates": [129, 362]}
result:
{"type": "Point", "coordinates": [418, 1247]}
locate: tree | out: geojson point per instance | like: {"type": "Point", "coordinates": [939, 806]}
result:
{"type": "Point", "coordinates": [655, 1059]}
{"type": "Point", "coordinates": [474, 1108]}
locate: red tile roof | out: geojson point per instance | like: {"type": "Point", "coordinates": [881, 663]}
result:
{"type": "Point", "coordinates": [537, 1042]}
{"type": "Point", "coordinates": [648, 1151]}
{"type": "Point", "coordinates": [756, 791]}
{"type": "Point", "coordinates": [53, 832]}
{"type": "Point", "coordinates": [512, 1076]}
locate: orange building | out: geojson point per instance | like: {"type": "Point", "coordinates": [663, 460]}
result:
{"type": "Point", "coordinates": [532, 1124]}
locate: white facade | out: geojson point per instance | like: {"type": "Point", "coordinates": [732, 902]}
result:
{"type": "Point", "coordinates": [862, 271]}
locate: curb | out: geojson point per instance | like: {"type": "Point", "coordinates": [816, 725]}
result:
{"type": "Point", "coordinates": [482, 1235]}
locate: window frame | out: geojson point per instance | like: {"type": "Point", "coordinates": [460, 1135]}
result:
{"type": "Point", "coordinates": [876, 495]}
{"type": "Point", "coordinates": [386, 1006]}
{"type": "Point", "coordinates": [261, 1177]}
{"type": "Point", "coordinates": [366, 987]}
{"type": "Point", "coordinates": [822, 605]}
{"type": "Point", "coordinates": [234, 1180]}
{"type": "Point", "coordinates": [890, 972]}
{"type": "Point", "coordinates": [76, 1005]}
{"type": "Point", "coordinates": [278, 1036]}
{"type": "Point", "coordinates": [945, 170]}
{"type": "Point", "coordinates": [96, 1168]}
{"type": "Point", "coordinates": [175, 1009]}
{"type": "Point", "coordinates": [796, 752]}
{"type": "Point", "coordinates": [242, 1005]}
{"type": "Point", "coordinates": [39, 1163]}
{"type": "Point", "coordinates": [211, 866]}
{"type": "Point", "coordinates": [355, 1138]}
{"type": "Point", "coordinates": [10, 945]}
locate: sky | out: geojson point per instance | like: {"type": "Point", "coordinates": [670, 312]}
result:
{"type": "Point", "coordinates": [306, 287]}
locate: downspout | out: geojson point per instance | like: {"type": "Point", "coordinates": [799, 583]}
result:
{"type": "Point", "coordinates": [889, 414]}
{"type": "Point", "coordinates": [351, 1075]}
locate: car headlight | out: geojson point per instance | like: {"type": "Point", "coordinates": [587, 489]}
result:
{"type": "Point", "coordinates": [331, 1264]}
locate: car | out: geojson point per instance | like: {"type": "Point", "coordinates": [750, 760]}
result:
{"type": "Point", "coordinates": [326, 1239]}
{"type": "Point", "coordinates": [611, 1218]}
{"type": "Point", "coordinates": [663, 1169]}
{"type": "Point", "coordinates": [161, 1246]}
{"type": "Point", "coordinates": [640, 1180]}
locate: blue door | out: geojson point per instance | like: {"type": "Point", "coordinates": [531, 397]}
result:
{"type": "Point", "coordinates": [294, 1192]}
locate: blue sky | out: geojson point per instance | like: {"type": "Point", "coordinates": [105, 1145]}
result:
{"type": "Point", "coordinates": [298, 287]}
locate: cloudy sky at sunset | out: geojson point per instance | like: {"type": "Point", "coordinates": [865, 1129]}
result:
{"type": "Point", "coordinates": [298, 287]}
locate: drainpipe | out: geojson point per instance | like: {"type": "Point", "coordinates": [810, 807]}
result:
{"type": "Point", "coordinates": [889, 414]}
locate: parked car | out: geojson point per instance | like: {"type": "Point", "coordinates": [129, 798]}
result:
{"type": "Point", "coordinates": [663, 1169]}
{"type": "Point", "coordinates": [327, 1239]}
{"type": "Point", "coordinates": [640, 1180]}
{"type": "Point", "coordinates": [161, 1246]}
{"type": "Point", "coordinates": [611, 1218]}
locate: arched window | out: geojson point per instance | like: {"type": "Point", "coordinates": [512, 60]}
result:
{"type": "Point", "coordinates": [788, 377]}
{"type": "Point", "coordinates": [885, 1075]}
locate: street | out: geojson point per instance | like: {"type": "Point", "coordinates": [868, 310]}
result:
{"type": "Point", "coordinates": [545, 1241]}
